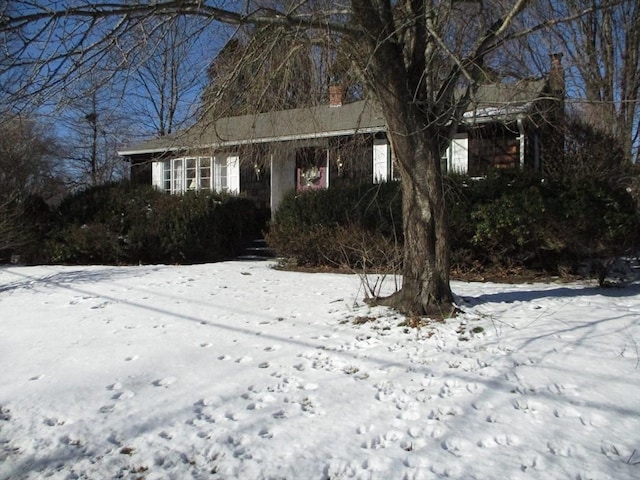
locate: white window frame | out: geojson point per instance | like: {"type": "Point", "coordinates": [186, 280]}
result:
{"type": "Point", "coordinates": [182, 174]}
{"type": "Point", "coordinates": [226, 174]}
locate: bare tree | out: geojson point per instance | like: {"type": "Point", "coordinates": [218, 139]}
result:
{"type": "Point", "coordinates": [166, 75]}
{"type": "Point", "coordinates": [29, 155]}
{"type": "Point", "coordinates": [601, 47]}
{"type": "Point", "coordinates": [262, 69]}
{"type": "Point", "coordinates": [93, 124]}
{"type": "Point", "coordinates": [420, 61]}
{"type": "Point", "coordinates": [28, 159]}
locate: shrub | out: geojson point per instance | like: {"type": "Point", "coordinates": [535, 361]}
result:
{"type": "Point", "coordinates": [89, 243]}
{"type": "Point", "coordinates": [510, 226]}
{"type": "Point", "coordinates": [24, 223]}
{"type": "Point", "coordinates": [504, 220]}
{"type": "Point", "coordinates": [338, 227]}
{"type": "Point", "coordinates": [121, 223]}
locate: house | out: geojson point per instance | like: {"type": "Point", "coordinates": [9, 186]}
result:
{"type": "Point", "coordinates": [266, 155]}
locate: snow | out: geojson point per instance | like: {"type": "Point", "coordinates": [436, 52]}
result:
{"type": "Point", "coordinates": [238, 370]}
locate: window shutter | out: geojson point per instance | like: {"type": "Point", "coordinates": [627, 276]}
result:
{"type": "Point", "coordinates": [233, 173]}
{"type": "Point", "coordinates": [157, 175]}
{"type": "Point", "coordinates": [459, 154]}
{"type": "Point", "coordinates": [381, 160]}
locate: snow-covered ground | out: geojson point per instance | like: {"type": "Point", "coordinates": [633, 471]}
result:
{"type": "Point", "coordinates": [238, 371]}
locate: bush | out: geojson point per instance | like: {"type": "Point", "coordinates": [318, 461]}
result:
{"type": "Point", "coordinates": [24, 223]}
{"type": "Point", "coordinates": [339, 227]}
{"type": "Point", "coordinates": [121, 223]}
{"type": "Point", "coordinates": [509, 227]}
{"type": "Point", "coordinates": [504, 220]}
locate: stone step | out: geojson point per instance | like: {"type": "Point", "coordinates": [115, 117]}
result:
{"type": "Point", "coordinates": [258, 250]}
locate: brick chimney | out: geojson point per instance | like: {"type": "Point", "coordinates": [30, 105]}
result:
{"type": "Point", "coordinates": [556, 74]}
{"type": "Point", "coordinates": [336, 95]}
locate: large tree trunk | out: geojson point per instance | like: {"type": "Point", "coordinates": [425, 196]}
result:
{"type": "Point", "coordinates": [417, 142]}
{"type": "Point", "coordinates": [425, 287]}
{"type": "Point", "coordinates": [417, 147]}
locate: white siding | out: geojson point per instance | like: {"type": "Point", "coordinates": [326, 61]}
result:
{"type": "Point", "coordinates": [381, 160]}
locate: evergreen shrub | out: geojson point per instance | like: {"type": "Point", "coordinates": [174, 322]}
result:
{"type": "Point", "coordinates": [121, 223]}
{"type": "Point", "coordinates": [504, 220]}
{"type": "Point", "coordinates": [338, 227]}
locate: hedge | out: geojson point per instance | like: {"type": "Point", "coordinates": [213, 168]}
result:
{"type": "Point", "coordinates": [503, 220]}
{"type": "Point", "coordinates": [125, 224]}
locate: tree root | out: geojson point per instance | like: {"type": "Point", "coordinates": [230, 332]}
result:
{"type": "Point", "coordinates": [436, 311]}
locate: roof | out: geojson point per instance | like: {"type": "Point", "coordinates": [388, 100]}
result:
{"type": "Point", "coordinates": [303, 123]}
{"type": "Point", "coordinates": [492, 101]}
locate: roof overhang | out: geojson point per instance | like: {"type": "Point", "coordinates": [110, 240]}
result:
{"type": "Point", "coordinates": [252, 141]}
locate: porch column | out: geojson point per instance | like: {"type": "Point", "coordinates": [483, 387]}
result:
{"type": "Point", "coordinates": [283, 174]}
{"type": "Point", "coordinates": [522, 140]}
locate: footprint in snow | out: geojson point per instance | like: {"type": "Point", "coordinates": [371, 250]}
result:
{"type": "Point", "coordinates": [235, 416]}
{"type": "Point", "coordinates": [100, 305]}
{"type": "Point", "coordinates": [594, 420]}
{"type": "Point", "coordinates": [310, 406]}
{"type": "Point", "coordinates": [108, 408]}
{"type": "Point", "coordinates": [53, 422]}
{"type": "Point", "coordinates": [164, 382]}
{"type": "Point", "coordinates": [527, 406]}
{"type": "Point", "coordinates": [362, 429]}
{"type": "Point", "coordinates": [124, 395]}
{"type": "Point", "coordinates": [261, 402]}
{"type": "Point", "coordinates": [377, 464]}
{"type": "Point", "coordinates": [505, 440]}
{"type": "Point", "coordinates": [413, 444]}
{"type": "Point", "coordinates": [457, 446]}
{"type": "Point", "coordinates": [443, 412]}
{"type": "Point", "coordinates": [563, 449]}
{"type": "Point", "coordinates": [264, 432]}
{"type": "Point", "coordinates": [532, 463]}
{"type": "Point", "coordinates": [435, 432]}
{"type": "Point", "coordinates": [131, 358]}
{"type": "Point", "coordinates": [616, 450]}
{"type": "Point", "coordinates": [280, 414]}
{"type": "Point", "coordinates": [567, 412]}
{"type": "Point", "coordinates": [482, 405]}
{"type": "Point", "coordinates": [383, 440]}
{"type": "Point", "coordinates": [560, 389]}
{"type": "Point", "coordinates": [446, 470]}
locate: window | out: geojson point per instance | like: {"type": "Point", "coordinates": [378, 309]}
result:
{"type": "Point", "coordinates": [205, 174]}
{"type": "Point", "coordinates": [226, 175]}
{"type": "Point", "coordinates": [198, 173]}
{"type": "Point", "coordinates": [493, 147]}
{"type": "Point", "coordinates": [190, 169]}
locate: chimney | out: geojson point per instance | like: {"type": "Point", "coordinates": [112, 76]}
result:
{"type": "Point", "coordinates": [336, 95]}
{"type": "Point", "coordinates": [556, 74]}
